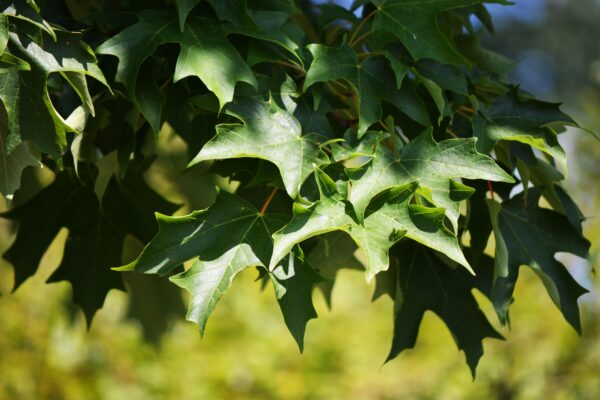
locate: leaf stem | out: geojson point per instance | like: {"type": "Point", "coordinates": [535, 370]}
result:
{"type": "Point", "coordinates": [491, 189]}
{"type": "Point", "coordinates": [291, 65]}
{"type": "Point", "coordinates": [361, 38]}
{"type": "Point", "coordinates": [360, 26]}
{"type": "Point", "coordinates": [464, 114]}
{"type": "Point", "coordinates": [451, 133]}
{"type": "Point", "coordinates": [366, 54]}
{"type": "Point", "coordinates": [467, 109]}
{"type": "Point", "coordinates": [263, 209]}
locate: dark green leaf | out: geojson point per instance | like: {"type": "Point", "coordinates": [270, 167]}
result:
{"type": "Point", "coordinates": [527, 234]}
{"type": "Point", "coordinates": [371, 79]}
{"type": "Point", "coordinates": [426, 283]}
{"type": "Point", "coordinates": [205, 53]}
{"type": "Point", "coordinates": [414, 23]}
{"type": "Point", "coordinates": [93, 246]}
{"type": "Point", "coordinates": [297, 280]}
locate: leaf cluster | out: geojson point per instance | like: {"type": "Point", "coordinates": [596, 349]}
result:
{"type": "Point", "coordinates": [381, 137]}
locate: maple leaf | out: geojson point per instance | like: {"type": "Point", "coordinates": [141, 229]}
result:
{"type": "Point", "coordinates": [269, 133]}
{"type": "Point", "coordinates": [525, 121]}
{"type": "Point", "coordinates": [448, 77]}
{"type": "Point", "coordinates": [13, 164]}
{"type": "Point", "coordinates": [208, 234]}
{"type": "Point", "coordinates": [93, 245]}
{"type": "Point", "coordinates": [318, 80]}
{"type": "Point", "coordinates": [426, 283]}
{"type": "Point", "coordinates": [205, 53]}
{"type": "Point", "coordinates": [414, 23]}
{"type": "Point", "coordinates": [388, 221]}
{"type": "Point", "coordinates": [96, 232]}
{"type": "Point", "coordinates": [294, 282]}
{"type": "Point", "coordinates": [28, 12]}
{"type": "Point", "coordinates": [527, 234]}
{"type": "Point", "coordinates": [372, 79]}
{"type": "Point", "coordinates": [432, 165]}
{"type": "Point", "coordinates": [207, 281]}
{"type": "Point", "coordinates": [25, 88]}
{"type": "Point", "coordinates": [334, 251]}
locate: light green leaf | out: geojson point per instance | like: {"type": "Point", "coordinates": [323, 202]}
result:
{"type": "Point", "coordinates": [3, 33]}
{"type": "Point", "coordinates": [394, 217]}
{"type": "Point", "coordinates": [207, 281]}
{"type": "Point", "coordinates": [207, 234]}
{"type": "Point", "coordinates": [327, 215]}
{"type": "Point", "coordinates": [388, 221]}
{"type": "Point", "coordinates": [433, 165]}
{"type": "Point", "coordinates": [269, 133]}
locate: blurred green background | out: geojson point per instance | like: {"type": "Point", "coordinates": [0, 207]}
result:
{"type": "Point", "coordinates": [46, 351]}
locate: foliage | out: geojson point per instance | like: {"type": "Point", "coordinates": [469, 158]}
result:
{"type": "Point", "coordinates": [393, 127]}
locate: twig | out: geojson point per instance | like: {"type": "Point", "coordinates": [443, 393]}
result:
{"type": "Point", "coordinates": [360, 26]}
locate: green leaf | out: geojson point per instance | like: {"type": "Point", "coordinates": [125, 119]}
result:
{"type": "Point", "coordinates": [448, 77]}
{"type": "Point", "coordinates": [394, 217]}
{"type": "Point", "coordinates": [154, 303]}
{"type": "Point", "coordinates": [26, 91]}
{"type": "Point", "coordinates": [388, 221]}
{"type": "Point", "coordinates": [433, 165]}
{"type": "Point", "coordinates": [298, 279]}
{"type": "Point", "coordinates": [131, 203]}
{"type": "Point", "coordinates": [526, 121]}
{"type": "Point", "coordinates": [235, 11]}
{"type": "Point", "coordinates": [93, 246]}
{"type": "Point", "coordinates": [415, 24]}
{"type": "Point", "coordinates": [371, 79]}
{"type": "Point", "coordinates": [207, 281]}
{"type": "Point", "coordinates": [96, 231]}
{"type": "Point", "coordinates": [269, 133]}
{"type": "Point", "coordinates": [208, 234]}
{"type": "Point", "coordinates": [527, 234]}
{"type": "Point", "coordinates": [23, 92]}
{"type": "Point", "coordinates": [326, 215]}
{"type": "Point", "coordinates": [426, 283]}
{"type": "Point", "coordinates": [205, 53]}
{"type": "Point", "coordinates": [483, 59]}
{"type": "Point", "coordinates": [12, 166]}
{"type": "Point", "coordinates": [333, 252]}
{"type": "Point", "coordinates": [183, 10]}
{"type": "Point", "coordinates": [3, 33]}
{"type": "Point", "coordinates": [27, 11]}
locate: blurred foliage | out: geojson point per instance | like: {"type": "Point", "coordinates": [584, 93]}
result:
{"type": "Point", "coordinates": [47, 353]}
{"type": "Point", "coordinates": [247, 353]}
